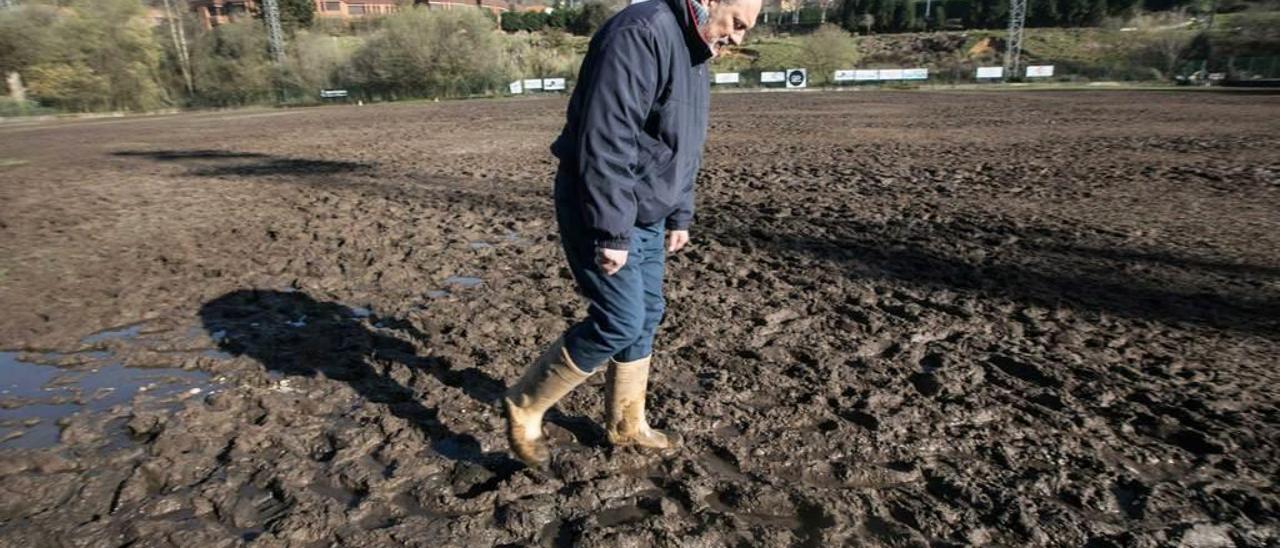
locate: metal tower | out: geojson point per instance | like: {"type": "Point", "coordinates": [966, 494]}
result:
{"type": "Point", "coordinates": [271, 12]}
{"type": "Point", "coordinates": [1013, 51]}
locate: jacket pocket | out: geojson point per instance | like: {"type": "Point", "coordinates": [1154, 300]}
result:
{"type": "Point", "coordinates": [653, 157]}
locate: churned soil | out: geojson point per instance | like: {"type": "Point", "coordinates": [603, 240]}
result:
{"type": "Point", "coordinates": [906, 318]}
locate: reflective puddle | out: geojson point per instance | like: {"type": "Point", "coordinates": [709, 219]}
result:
{"type": "Point", "coordinates": [463, 281]}
{"type": "Point", "coordinates": [35, 397]}
{"type": "Point", "coordinates": [123, 333]}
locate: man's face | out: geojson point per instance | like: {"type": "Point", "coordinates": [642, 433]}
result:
{"type": "Point", "coordinates": [729, 22]}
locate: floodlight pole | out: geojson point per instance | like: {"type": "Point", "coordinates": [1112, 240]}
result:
{"type": "Point", "coordinates": [1013, 53]}
{"type": "Point", "coordinates": [275, 35]}
{"type": "Point", "coordinates": [271, 12]}
{"type": "Point", "coordinates": [1208, 40]}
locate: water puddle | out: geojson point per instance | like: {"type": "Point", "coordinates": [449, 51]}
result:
{"type": "Point", "coordinates": [719, 463]}
{"type": "Point", "coordinates": [128, 332]}
{"type": "Point", "coordinates": [620, 515]}
{"type": "Point", "coordinates": [463, 281]}
{"type": "Point", "coordinates": [480, 245]}
{"type": "Point", "coordinates": [35, 397]}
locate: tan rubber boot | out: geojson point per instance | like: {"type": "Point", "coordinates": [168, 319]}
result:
{"type": "Point", "coordinates": [543, 384]}
{"type": "Point", "coordinates": [625, 387]}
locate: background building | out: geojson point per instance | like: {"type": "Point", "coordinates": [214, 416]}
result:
{"type": "Point", "coordinates": [347, 9]}
{"type": "Point", "coordinates": [215, 12]}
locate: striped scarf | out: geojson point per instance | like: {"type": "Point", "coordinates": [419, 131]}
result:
{"type": "Point", "coordinates": [700, 13]}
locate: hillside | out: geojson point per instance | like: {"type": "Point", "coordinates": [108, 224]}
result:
{"type": "Point", "coordinates": [1155, 50]}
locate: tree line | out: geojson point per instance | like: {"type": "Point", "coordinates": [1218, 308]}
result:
{"type": "Point", "coordinates": [98, 55]}
{"type": "Point", "coordinates": [868, 16]}
{"type": "Point", "coordinates": [95, 55]}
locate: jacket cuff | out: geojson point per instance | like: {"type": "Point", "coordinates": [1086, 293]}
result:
{"type": "Point", "coordinates": [618, 244]}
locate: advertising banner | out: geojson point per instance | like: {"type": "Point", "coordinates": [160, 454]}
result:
{"type": "Point", "coordinates": [797, 78]}
{"type": "Point", "coordinates": [915, 74]}
{"type": "Point", "coordinates": [1039, 71]}
{"type": "Point", "coordinates": [890, 74]}
{"type": "Point", "coordinates": [772, 77]}
{"type": "Point", "coordinates": [727, 78]}
{"type": "Point", "coordinates": [990, 72]}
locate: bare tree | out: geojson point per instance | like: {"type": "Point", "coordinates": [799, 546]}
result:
{"type": "Point", "coordinates": [1170, 46]}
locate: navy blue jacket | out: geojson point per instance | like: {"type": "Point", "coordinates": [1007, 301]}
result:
{"type": "Point", "coordinates": [632, 142]}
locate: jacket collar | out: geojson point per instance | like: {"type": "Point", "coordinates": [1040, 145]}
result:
{"type": "Point", "coordinates": [691, 14]}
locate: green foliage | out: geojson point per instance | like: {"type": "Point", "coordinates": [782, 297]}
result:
{"type": "Point", "coordinates": [69, 85]}
{"type": "Point", "coordinates": [526, 21]}
{"type": "Point", "coordinates": [590, 18]}
{"type": "Point", "coordinates": [891, 16]}
{"type": "Point", "coordinates": [549, 54]}
{"type": "Point", "coordinates": [231, 66]}
{"type": "Point", "coordinates": [318, 61]}
{"type": "Point", "coordinates": [420, 53]}
{"type": "Point", "coordinates": [777, 54]}
{"type": "Point", "coordinates": [1097, 10]}
{"type": "Point", "coordinates": [828, 49]}
{"type": "Point", "coordinates": [581, 21]}
{"type": "Point", "coordinates": [297, 14]}
{"type": "Point", "coordinates": [10, 108]}
{"type": "Point", "coordinates": [26, 36]}
{"type": "Point", "coordinates": [84, 54]}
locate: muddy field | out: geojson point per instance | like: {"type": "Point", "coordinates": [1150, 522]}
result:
{"type": "Point", "coordinates": [907, 318]}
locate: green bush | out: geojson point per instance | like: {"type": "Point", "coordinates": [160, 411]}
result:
{"type": "Point", "coordinates": [83, 55]}
{"type": "Point", "coordinates": [827, 50]}
{"type": "Point", "coordinates": [231, 66]}
{"type": "Point", "coordinates": [10, 108]}
{"type": "Point", "coordinates": [421, 53]}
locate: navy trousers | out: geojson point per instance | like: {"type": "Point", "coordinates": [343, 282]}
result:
{"type": "Point", "coordinates": [624, 309]}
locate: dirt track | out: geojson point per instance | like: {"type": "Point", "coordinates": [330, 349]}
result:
{"type": "Point", "coordinates": [907, 319]}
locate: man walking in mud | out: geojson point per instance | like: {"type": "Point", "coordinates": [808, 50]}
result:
{"type": "Point", "coordinates": [629, 153]}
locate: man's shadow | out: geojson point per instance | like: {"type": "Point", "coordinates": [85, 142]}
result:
{"type": "Point", "coordinates": [295, 335]}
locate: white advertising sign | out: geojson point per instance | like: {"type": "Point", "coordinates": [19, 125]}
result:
{"type": "Point", "coordinates": [1039, 71]}
{"type": "Point", "coordinates": [844, 76]}
{"type": "Point", "coordinates": [866, 75]}
{"type": "Point", "coordinates": [533, 84]}
{"type": "Point", "coordinates": [915, 74]}
{"type": "Point", "coordinates": [727, 77]}
{"type": "Point", "coordinates": [516, 87]}
{"type": "Point", "coordinates": [890, 74]}
{"type": "Point", "coordinates": [990, 72]}
{"type": "Point", "coordinates": [772, 77]}
{"type": "Point", "coordinates": [797, 78]}
{"type": "Point", "coordinates": [553, 84]}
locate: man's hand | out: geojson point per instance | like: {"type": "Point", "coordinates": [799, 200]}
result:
{"type": "Point", "coordinates": [611, 260]}
{"type": "Point", "coordinates": [676, 240]}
